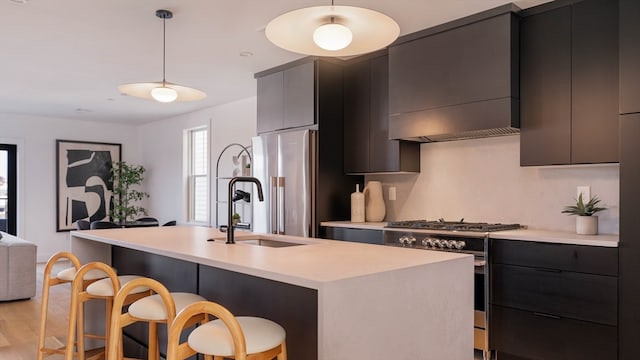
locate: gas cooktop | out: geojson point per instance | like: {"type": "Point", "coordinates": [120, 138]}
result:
{"type": "Point", "coordinates": [444, 225]}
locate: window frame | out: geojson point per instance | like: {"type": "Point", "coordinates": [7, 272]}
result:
{"type": "Point", "coordinates": [193, 177]}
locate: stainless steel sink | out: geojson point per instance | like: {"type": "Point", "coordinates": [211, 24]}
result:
{"type": "Point", "coordinates": [266, 243]}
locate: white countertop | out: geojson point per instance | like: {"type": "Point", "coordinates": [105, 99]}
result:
{"type": "Point", "coordinates": [550, 236]}
{"type": "Point", "coordinates": [312, 265]}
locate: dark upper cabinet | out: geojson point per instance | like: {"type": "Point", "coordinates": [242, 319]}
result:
{"type": "Point", "coordinates": [270, 102]}
{"type": "Point", "coordinates": [366, 122]}
{"type": "Point", "coordinates": [545, 88]}
{"type": "Point", "coordinates": [569, 84]}
{"type": "Point", "coordinates": [458, 77]}
{"type": "Point", "coordinates": [629, 56]}
{"type": "Point", "coordinates": [286, 98]}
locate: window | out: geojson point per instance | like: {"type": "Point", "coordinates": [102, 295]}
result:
{"type": "Point", "coordinates": [198, 176]}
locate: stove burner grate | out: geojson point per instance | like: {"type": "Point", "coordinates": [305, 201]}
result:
{"type": "Point", "coordinates": [452, 225]}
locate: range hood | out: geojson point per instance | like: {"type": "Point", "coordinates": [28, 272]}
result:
{"type": "Point", "coordinates": [498, 117]}
{"type": "Point", "coordinates": [457, 80]}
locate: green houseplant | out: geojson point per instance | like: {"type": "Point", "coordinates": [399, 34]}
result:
{"type": "Point", "coordinates": [586, 222]}
{"type": "Point", "coordinates": [125, 178]}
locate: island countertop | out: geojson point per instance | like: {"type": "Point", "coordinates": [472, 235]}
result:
{"type": "Point", "coordinates": [336, 300]}
{"type": "Point", "coordinates": [311, 265]}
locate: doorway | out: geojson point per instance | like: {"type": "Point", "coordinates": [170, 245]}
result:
{"type": "Point", "coordinates": [8, 187]}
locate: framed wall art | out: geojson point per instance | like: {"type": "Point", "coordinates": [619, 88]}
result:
{"type": "Point", "coordinates": [83, 190]}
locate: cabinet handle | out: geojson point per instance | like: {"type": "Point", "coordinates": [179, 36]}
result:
{"type": "Point", "coordinates": [547, 315]}
{"type": "Point", "coordinates": [549, 270]}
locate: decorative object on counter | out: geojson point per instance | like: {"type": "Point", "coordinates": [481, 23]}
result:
{"type": "Point", "coordinates": [162, 91]}
{"type": "Point", "coordinates": [124, 177]}
{"type": "Point", "coordinates": [357, 205]}
{"type": "Point", "coordinates": [374, 203]}
{"type": "Point", "coordinates": [586, 222]}
{"type": "Point", "coordinates": [335, 30]}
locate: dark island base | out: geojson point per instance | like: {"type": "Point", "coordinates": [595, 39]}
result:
{"type": "Point", "coordinates": [293, 307]}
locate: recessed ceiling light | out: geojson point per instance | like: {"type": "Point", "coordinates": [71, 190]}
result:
{"type": "Point", "coordinates": [246, 54]}
{"type": "Point", "coordinates": [83, 110]}
{"type": "Point", "coordinates": [19, 1]}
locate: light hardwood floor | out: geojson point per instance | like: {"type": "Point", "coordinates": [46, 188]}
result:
{"type": "Point", "coordinates": [19, 321]}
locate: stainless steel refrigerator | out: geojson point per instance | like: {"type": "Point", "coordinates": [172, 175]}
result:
{"type": "Point", "coordinates": [285, 164]}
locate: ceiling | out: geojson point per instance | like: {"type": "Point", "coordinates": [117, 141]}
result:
{"type": "Point", "coordinates": [66, 58]}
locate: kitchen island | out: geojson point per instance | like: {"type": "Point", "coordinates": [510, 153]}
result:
{"type": "Point", "coordinates": [336, 300]}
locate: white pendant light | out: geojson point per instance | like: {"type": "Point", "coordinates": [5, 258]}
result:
{"type": "Point", "coordinates": [162, 91]}
{"type": "Point", "coordinates": [332, 30]}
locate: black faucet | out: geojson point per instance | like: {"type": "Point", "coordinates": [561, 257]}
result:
{"type": "Point", "coordinates": [232, 182]}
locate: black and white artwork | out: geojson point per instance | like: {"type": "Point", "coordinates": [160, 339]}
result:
{"type": "Point", "coordinates": [84, 191]}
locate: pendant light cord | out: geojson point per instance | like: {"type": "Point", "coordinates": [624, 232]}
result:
{"type": "Point", "coordinates": [164, 50]}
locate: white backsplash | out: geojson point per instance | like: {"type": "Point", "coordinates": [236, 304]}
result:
{"type": "Point", "coordinates": [481, 180]}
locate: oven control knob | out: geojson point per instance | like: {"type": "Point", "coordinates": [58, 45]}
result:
{"type": "Point", "coordinates": [427, 242]}
{"type": "Point", "coordinates": [451, 244]}
{"type": "Point", "coordinates": [437, 243]}
{"type": "Point", "coordinates": [407, 240]}
{"type": "Point", "coordinates": [460, 244]}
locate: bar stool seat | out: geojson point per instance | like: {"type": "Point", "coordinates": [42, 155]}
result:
{"type": "Point", "coordinates": [214, 337]}
{"type": "Point", "coordinates": [104, 287]}
{"type": "Point", "coordinates": [240, 338]}
{"type": "Point", "coordinates": [153, 308]}
{"type": "Point", "coordinates": [69, 273]}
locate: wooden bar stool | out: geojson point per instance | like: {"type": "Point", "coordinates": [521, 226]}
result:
{"type": "Point", "coordinates": [240, 338]}
{"type": "Point", "coordinates": [160, 308]}
{"type": "Point", "coordinates": [63, 277]}
{"type": "Point", "coordinates": [103, 290]}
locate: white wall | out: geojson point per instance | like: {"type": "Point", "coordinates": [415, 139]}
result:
{"type": "Point", "coordinates": [481, 180]}
{"type": "Point", "coordinates": [163, 156]}
{"type": "Point", "coordinates": [36, 140]}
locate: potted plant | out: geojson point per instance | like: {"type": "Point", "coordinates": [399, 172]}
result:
{"type": "Point", "coordinates": [125, 178]}
{"type": "Point", "coordinates": [235, 218]}
{"type": "Point", "coordinates": [586, 222]}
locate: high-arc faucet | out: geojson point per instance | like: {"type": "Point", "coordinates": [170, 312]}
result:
{"type": "Point", "coordinates": [232, 182]}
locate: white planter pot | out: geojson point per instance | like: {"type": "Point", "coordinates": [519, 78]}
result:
{"type": "Point", "coordinates": [586, 225]}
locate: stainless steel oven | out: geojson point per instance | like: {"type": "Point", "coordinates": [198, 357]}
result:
{"type": "Point", "coordinates": [460, 237]}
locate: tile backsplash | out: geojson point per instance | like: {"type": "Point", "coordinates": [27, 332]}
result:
{"type": "Point", "coordinates": [481, 180]}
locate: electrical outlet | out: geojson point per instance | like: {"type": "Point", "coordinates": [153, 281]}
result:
{"type": "Point", "coordinates": [392, 193]}
{"type": "Point", "coordinates": [585, 190]}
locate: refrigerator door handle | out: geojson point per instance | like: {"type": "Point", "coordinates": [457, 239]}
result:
{"type": "Point", "coordinates": [281, 190]}
{"type": "Point", "coordinates": [273, 204]}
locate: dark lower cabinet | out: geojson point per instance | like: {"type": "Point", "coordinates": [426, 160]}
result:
{"type": "Point", "coordinates": [569, 83]}
{"type": "Point", "coordinates": [553, 301]}
{"type": "Point", "coordinates": [293, 307]}
{"type": "Point", "coordinates": [532, 335]}
{"type": "Point", "coordinates": [368, 236]}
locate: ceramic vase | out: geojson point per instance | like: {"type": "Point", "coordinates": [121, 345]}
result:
{"type": "Point", "coordinates": [374, 209]}
{"type": "Point", "coordinates": [357, 205]}
{"type": "Point", "coordinates": [586, 225]}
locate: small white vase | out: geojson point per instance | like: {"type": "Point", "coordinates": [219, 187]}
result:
{"type": "Point", "coordinates": [374, 209]}
{"type": "Point", "coordinates": [357, 206]}
{"type": "Point", "coordinates": [586, 225]}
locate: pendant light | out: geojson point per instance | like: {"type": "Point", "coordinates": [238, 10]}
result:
{"type": "Point", "coordinates": [162, 91]}
{"type": "Point", "coordinates": [332, 30]}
